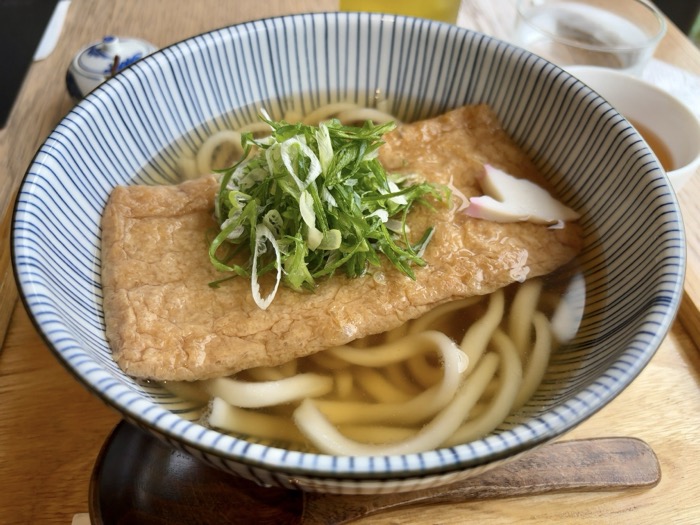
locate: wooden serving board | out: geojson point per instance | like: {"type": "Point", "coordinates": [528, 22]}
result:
{"type": "Point", "coordinates": [689, 313]}
{"type": "Point", "coordinates": [51, 428]}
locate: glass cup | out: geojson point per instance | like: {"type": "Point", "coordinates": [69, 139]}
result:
{"type": "Point", "coordinates": [618, 34]}
{"type": "Point", "coordinates": [442, 10]}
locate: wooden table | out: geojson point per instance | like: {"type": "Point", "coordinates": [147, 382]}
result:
{"type": "Point", "coordinates": [51, 429]}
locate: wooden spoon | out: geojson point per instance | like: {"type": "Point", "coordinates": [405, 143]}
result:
{"type": "Point", "coordinates": [139, 480]}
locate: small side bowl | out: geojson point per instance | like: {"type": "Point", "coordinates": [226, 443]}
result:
{"type": "Point", "coordinates": [649, 107]}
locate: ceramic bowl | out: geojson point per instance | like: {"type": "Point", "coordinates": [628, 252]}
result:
{"type": "Point", "coordinates": [130, 129]}
{"type": "Point", "coordinates": [668, 125]}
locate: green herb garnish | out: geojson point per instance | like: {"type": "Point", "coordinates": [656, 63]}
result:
{"type": "Point", "coordinates": [313, 200]}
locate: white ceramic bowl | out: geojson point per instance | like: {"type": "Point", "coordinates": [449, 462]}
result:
{"type": "Point", "coordinates": [130, 130]}
{"type": "Point", "coordinates": [657, 114]}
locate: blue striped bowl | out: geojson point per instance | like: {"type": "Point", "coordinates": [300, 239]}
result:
{"type": "Point", "coordinates": [134, 127]}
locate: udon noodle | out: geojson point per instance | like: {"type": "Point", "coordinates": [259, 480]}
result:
{"type": "Point", "coordinates": [427, 384]}
{"type": "Point", "coordinates": [449, 377]}
{"type": "Point", "coordinates": [223, 148]}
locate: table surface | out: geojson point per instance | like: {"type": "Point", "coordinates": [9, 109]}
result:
{"type": "Point", "coordinates": [51, 428]}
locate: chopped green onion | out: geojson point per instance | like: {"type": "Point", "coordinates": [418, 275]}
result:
{"type": "Point", "coordinates": [313, 201]}
{"type": "Point", "coordinates": [262, 233]}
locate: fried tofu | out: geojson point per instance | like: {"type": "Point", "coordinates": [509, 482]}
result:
{"type": "Point", "coordinates": [164, 321]}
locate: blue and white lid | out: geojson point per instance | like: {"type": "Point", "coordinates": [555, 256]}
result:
{"type": "Point", "coordinates": [102, 60]}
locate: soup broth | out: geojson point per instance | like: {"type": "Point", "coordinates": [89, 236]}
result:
{"type": "Point", "coordinates": [662, 151]}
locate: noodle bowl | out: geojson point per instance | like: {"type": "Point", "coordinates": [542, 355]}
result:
{"type": "Point", "coordinates": [130, 130]}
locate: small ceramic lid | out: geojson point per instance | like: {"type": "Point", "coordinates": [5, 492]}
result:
{"type": "Point", "coordinates": [101, 60]}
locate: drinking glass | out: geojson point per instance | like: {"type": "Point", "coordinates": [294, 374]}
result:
{"type": "Point", "coordinates": [619, 34]}
{"type": "Point", "coordinates": [442, 10]}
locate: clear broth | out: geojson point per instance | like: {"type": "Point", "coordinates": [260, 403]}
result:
{"type": "Point", "coordinates": [658, 146]}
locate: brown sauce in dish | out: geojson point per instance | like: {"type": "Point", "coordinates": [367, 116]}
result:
{"type": "Point", "coordinates": [663, 153]}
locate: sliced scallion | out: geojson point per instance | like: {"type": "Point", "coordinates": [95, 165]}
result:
{"type": "Point", "coordinates": [314, 200]}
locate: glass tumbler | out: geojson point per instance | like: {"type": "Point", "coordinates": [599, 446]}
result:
{"type": "Point", "coordinates": [619, 34]}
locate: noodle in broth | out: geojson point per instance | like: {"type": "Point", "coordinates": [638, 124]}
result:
{"type": "Point", "coordinates": [421, 386]}
{"type": "Point", "coordinates": [449, 377]}
{"type": "Point", "coordinates": [223, 148]}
